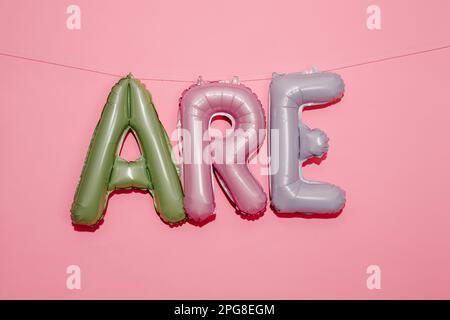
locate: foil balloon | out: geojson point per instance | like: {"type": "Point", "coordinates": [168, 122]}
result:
{"type": "Point", "coordinates": [226, 155]}
{"type": "Point", "coordinates": [292, 142]}
{"type": "Point", "coordinates": [129, 107]}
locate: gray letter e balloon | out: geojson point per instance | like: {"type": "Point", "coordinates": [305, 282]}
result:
{"type": "Point", "coordinates": [289, 191]}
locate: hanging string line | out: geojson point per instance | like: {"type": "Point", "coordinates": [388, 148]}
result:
{"type": "Point", "coordinates": [67, 66]}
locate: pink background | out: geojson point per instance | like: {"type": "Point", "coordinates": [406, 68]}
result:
{"type": "Point", "coordinates": [388, 150]}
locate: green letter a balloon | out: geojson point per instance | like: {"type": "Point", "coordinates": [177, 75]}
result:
{"type": "Point", "coordinates": [129, 107]}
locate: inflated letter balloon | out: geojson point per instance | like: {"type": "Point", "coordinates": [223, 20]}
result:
{"type": "Point", "coordinates": [289, 191]}
{"type": "Point", "coordinates": [198, 105]}
{"type": "Point", "coordinates": [129, 107]}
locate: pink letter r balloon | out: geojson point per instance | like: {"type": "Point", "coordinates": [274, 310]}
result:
{"type": "Point", "coordinates": [229, 154]}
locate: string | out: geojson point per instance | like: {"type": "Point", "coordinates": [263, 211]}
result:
{"type": "Point", "coordinates": [67, 66]}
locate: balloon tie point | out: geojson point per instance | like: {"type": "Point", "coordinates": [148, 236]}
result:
{"type": "Point", "coordinates": [312, 71]}
{"type": "Point", "coordinates": [200, 81]}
